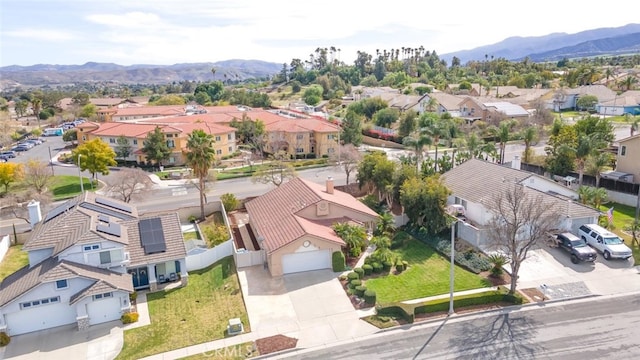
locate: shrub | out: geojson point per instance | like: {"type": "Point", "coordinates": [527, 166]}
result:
{"type": "Point", "coordinates": [229, 201]}
{"type": "Point", "coordinates": [192, 218]}
{"type": "Point", "coordinates": [369, 297]}
{"type": "Point", "coordinates": [399, 266]}
{"type": "Point", "coordinates": [342, 277]}
{"type": "Point", "coordinates": [353, 276]}
{"type": "Point", "coordinates": [4, 339]}
{"type": "Point", "coordinates": [386, 266]}
{"type": "Point", "coordinates": [215, 234]}
{"type": "Point", "coordinates": [337, 261]}
{"type": "Point", "coordinates": [398, 311]}
{"type": "Point", "coordinates": [377, 267]}
{"type": "Point", "coordinates": [355, 282]}
{"type": "Point", "coordinates": [359, 290]}
{"type": "Point", "coordinates": [359, 271]}
{"type": "Point", "coordinates": [368, 260]}
{"type": "Point", "coordinates": [368, 269]}
{"type": "Point", "coordinates": [498, 261]}
{"type": "Point", "coordinates": [129, 318]}
{"type": "Point", "coordinates": [405, 265]}
{"type": "Point", "coordinates": [133, 296]}
{"type": "Point", "coordinates": [514, 299]}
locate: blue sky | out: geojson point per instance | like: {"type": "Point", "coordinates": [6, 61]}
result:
{"type": "Point", "coordinates": [183, 31]}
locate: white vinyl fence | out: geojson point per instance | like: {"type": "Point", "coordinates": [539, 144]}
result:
{"type": "Point", "coordinates": [209, 256]}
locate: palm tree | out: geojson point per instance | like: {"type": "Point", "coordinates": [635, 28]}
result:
{"type": "Point", "coordinates": [502, 133]}
{"type": "Point", "coordinates": [529, 136]}
{"type": "Point", "coordinates": [417, 142]}
{"type": "Point", "coordinates": [596, 163]}
{"type": "Point", "coordinates": [582, 151]}
{"type": "Point", "coordinates": [353, 236]}
{"type": "Point", "coordinates": [382, 252]}
{"type": "Point", "coordinates": [599, 196]}
{"type": "Point", "coordinates": [629, 82]}
{"type": "Point", "coordinates": [200, 157]}
{"type": "Point", "coordinates": [386, 224]}
{"type": "Point", "coordinates": [585, 194]}
{"type": "Point", "coordinates": [437, 129]}
{"type": "Point", "coordinates": [474, 144]}
{"type": "Point", "coordinates": [634, 127]}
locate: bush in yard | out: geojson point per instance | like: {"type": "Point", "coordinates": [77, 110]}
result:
{"type": "Point", "coordinates": [396, 310]}
{"type": "Point", "coordinates": [353, 276]}
{"type": "Point", "coordinates": [399, 266]}
{"type": "Point", "coordinates": [369, 297]}
{"type": "Point", "coordinates": [359, 290]}
{"type": "Point", "coordinates": [229, 201]}
{"type": "Point", "coordinates": [129, 318]}
{"type": "Point", "coordinates": [368, 260]}
{"type": "Point", "coordinates": [405, 264]}
{"type": "Point", "coordinates": [4, 339]}
{"type": "Point", "coordinates": [360, 272]}
{"type": "Point", "coordinates": [368, 269]}
{"type": "Point", "coordinates": [377, 267]}
{"type": "Point", "coordinates": [498, 261]}
{"type": "Point", "coordinates": [342, 277]}
{"type": "Point", "coordinates": [133, 296]}
{"type": "Point", "coordinates": [355, 283]}
{"type": "Point", "coordinates": [386, 266]}
{"type": "Point", "coordinates": [338, 261]}
{"type": "Point", "coordinates": [514, 299]}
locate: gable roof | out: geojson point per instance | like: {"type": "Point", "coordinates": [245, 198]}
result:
{"type": "Point", "coordinates": [174, 241]}
{"type": "Point", "coordinates": [275, 215]}
{"type": "Point", "coordinates": [448, 101]}
{"type": "Point", "coordinates": [507, 108]}
{"type": "Point", "coordinates": [479, 181]}
{"type": "Point", "coordinates": [630, 138]}
{"type": "Point", "coordinates": [602, 92]}
{"type": "Point", "coordinates": [50, 270]}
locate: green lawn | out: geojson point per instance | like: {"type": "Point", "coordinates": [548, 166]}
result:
{"type": "Point", "coordinates": [66, 186]}
{"type": "Point", "coordinates": [623, 216]}
{"type": "Point", "coordinates": [14, 259]}
{"type": "Point", "coordinates": [191, 235]}
{"type": "Point", "coordinates": [190, 315]}
{"type": "Point", "coordinates": [427, 275]}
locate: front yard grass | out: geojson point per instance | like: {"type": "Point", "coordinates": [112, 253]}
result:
{"type": "Point", "coordinates": [427, 275]}
{"type": "Point", "coordinates": [194, 314]}
{"type": "Point", "coordinates": [66, 186]}
{"type": "Point", "coordinates": [623, 216]}
{"type": "Point", "coordinates": [13, 260]}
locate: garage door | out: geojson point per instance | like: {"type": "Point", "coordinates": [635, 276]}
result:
{"type": "Point", "coordinates": [103, 310]}
{"type": "Point", "coordinates": [40, 318]}
{"type": "Point", "coordinates": [306, 261]}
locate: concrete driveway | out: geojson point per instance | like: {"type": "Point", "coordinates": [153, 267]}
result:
{"type": "Point", "coordinates": [310, 306]}
{"type": "Point", "coordinates": [99, 342]}
{"type": "Point", "coordinates": [553, 267]}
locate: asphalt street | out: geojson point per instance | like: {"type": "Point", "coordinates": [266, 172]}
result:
{"type": "Point", "coordinates": [605, 328]}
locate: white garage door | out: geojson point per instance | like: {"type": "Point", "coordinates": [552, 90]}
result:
{"type": "Point", "coordinates": [103, 310]}
{"type": "Point", "coordinates": [306, 261]}
{"type": "Point", "coordinates": [40, 317]}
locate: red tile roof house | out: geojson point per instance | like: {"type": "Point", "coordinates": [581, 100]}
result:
{"type": "Point", "coordinates": [85, 257]}
{"type": "Point", "coordinates": [293, 224]}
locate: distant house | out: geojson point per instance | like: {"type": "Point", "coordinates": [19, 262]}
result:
{"type": "Point", "coordinates": [625, 103]}
{"type": "Point", "coordinates": [489, 110]}
{"type": "Point", "coordinates": [446, 103]}
{"type": "Point", "coordinates": [566, 99]}
{"type": "Point", "coordinates": [628, 159]}
{"type": "Point", "coordinates": [474, 183]}
{"type": "Point", "coordinates": [85, 257]}
{"type": "Point", "coordinates": [293, 224]}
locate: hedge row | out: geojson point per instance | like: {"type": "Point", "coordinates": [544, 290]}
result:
{"type": "Point", "coordinates": [409, 311]}
{"type": "Point", "coordinates": [470, 260]}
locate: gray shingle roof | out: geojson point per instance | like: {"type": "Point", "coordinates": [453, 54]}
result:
{"type": "Point", "coordinates": [478, 181]}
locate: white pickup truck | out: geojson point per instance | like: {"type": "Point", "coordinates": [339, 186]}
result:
{"type": "Point", "coordinates": [609, 244]}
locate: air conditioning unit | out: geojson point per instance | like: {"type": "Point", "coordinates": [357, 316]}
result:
{"type": "Point", "coordinates": [456, 210]}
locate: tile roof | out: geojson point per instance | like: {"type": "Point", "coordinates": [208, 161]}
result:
{"type": "Point", "coordinates": [602, 92]}
{"type": "Point", "coordinates": [448, 101]}
{"type": "Point", "coordinates": [49, 270]}
{"type": "Point", "coordinates": [275, 215]}
{"type": "Point", "coordinates": [173, 239]}
{"type": "Point", "coordinates": [168, 110]}
{"type": "Point", "coordinates": [508, 108]}
{"type": "Point", "coordinates": [479, 181]}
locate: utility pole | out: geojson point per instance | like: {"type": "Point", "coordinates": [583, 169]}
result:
{"type": "Point", "coordinates": [51, 162]}
{"type": "Point", "coordinates": [80, 175]}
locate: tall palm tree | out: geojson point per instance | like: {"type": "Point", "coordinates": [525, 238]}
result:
{"type": "Point", "coordinates": [596, 163]}
{"type": "Point", "coordinates": [582, 151]}
{"type": "Point", "coordinates": [629, 82]}
{"type": "Point", "coordinates": [634, 127]}
{"type": "Point", "coordinates": [529, 136]}
{"type": "Point", "coordinates": [200, 157]}
{"type": "Point", "coordinates": [503, 133]}
{"type": "Point", "coordinates": [436, 129]}
{"type": "Point", "coordinates": [417, 142]}
{"type": "Point", "coordinates": [474, 144]}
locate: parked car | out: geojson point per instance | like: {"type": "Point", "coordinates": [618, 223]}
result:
{"type": "Point", "coordinates": [28, 145]}
{"type": "Point", "coordinates": [4, 159]}
{"type": "Point", "coordinates": [10, 154]}
{"type": "Point", "coordinates": [20, 148]}
{"type": "Point", "coordinates": [609, 244]}
{"type": "Point", "coordinates": [577, 248]}
{"type": "Point", "coordinates": [33, 141]}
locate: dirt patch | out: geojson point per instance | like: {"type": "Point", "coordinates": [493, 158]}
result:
{"type": "Point", "coordinates": [275, 343]}
{"type": "Point", "coordinates": [533, 294]}
{"type": "Point", "coordinates": [503, 279]}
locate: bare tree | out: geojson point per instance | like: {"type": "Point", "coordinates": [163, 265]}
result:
{"type": "Point", "coordinates": [37, 174]}
{"type": "Point", "coordinates": [276, 171]}
{"type": "Point", "coordinates": [521, 219]}
{"type": "Point", "coordinates": [15, 204]}
{"type": "Point", "coordinates": [347, 159]}
{"type": "Point", "coordinates": [130, 184]}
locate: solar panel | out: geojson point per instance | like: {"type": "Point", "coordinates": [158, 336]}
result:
{"type": "Point", "coordinates": [59, 210]}
{"type": "Point", "coordinates": [111, 229]}
{"type": "Point", "coordinates": [111, 213]}
{"type": "Point", "coordinates": [114, 204]}
{"type": "Point", "coordinates": [152, 235]}
{"type": "Point", "coordinates": [103, 218]}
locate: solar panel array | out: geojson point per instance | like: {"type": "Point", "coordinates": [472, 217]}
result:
{"type": "Point", "coordinates": [106, 211]}
{"type": "Point", "coordinates": [59, 210]}
{"type": "Point", "coordinates": [152, 236]}
{"type": "Point", "coordinates": [103, 218]}
{"type": "Point", "coordinates": [111, 229]}
{"type": "Point", "coordinates": [114, 205]}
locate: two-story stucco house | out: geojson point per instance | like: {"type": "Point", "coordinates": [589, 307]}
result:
{"type": "Point", "coordinates": [628, 159]}
{"type": "Point", "coordinates": [85, 257]}
{"type": "Point", "coordinates": [293, 224]}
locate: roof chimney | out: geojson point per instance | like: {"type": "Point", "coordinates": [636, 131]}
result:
{"type": "Point", "coordinates": [515, 163]}
{"type": "Point", "coordinates": [329, 185]}
{"type": "Point", "coordinates": [35, 215]}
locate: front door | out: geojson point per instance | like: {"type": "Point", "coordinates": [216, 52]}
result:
{"type": "Point", "coordinates": [140, 277]}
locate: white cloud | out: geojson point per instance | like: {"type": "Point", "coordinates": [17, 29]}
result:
{"type": "Point", "coordinates": [129, 20]}
{"type": "Point", "coordinates": [40, 34]}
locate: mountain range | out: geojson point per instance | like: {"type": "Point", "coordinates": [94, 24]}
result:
{"type": "Point", "coordinates": [552, 47]}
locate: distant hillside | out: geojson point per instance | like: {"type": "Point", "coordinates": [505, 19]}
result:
{"type": "Point", "coordinates": [623, 44]}
{"type": "Point", "coordinates": [515, 48]}
{"type": "Point", "coordinates": [46, 74]}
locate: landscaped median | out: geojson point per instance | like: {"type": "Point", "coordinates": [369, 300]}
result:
{"type": "Point", "coordinates": [391, 314]}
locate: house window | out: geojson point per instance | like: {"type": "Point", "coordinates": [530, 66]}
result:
{"type": "Point", "coordinates": [330, 150]}
{"type": "Point", "coordinates": [172, 160]}
{"type": "Point", "coordinates": [91, 247]}
{"type": "Point", "coordinates": [47, 301]}
{"type": "Point", "coordinates": [102, 296]}
{"type": "Point", "coordinates": [219, 152]}
{"type": "Point", "coordinates": [331, 137]}
{"type": "Point", "coordinates": [112, 141]}
{"type": "Point", "coordinates": [299, 150]}
{"type": "Point", "coordinates": [62, 284]}
{"type": "Point", "coordinates": [217, 137]}
{"type": "Point", "coordinates": [230, 149]}
{"type": "Point", "coordinates": [623, 150]}
{"type": "Point", "coordinates": [84, 138]}
{"type": "Point", "coordinates": [135, 141]}
{"type": "Point", "coordinates": [105, 257]}
{"type": "Point", "coordinates": [299, 136]}
{"type": "Point", "coordinates": [228, 136]}
{"type": "Point", "coordinates": [171, 144]}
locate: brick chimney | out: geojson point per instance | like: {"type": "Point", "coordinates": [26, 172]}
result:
{"type": "Point", "coordinates": [329, 185]}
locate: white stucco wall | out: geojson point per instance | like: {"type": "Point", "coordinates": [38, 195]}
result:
{"type": "Point", "coordinates": [546, 185]}
{"type": "Point", "coordinates": [47, 290]}
{"type": "Point", "coordinates": [37, 256]}
{"type": "Point", "coordinates": [77, 254]}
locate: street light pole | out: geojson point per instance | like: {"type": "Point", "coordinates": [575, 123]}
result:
{"type": "Point", "coordinates": [453, 238]}
{"type": "Point", "coordinates": [51, 162]}
{"type": "Point", "coordinates": [80, 175]}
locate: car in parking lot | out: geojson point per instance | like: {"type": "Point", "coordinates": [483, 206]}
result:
{"type": "Point", "coordinates": [9, 154]}
{"type": "Point", "coordinates": [20, 148]}
{"type": "Point", "coordinates": [575, 247]}
{"type": "Point", "coordinates": [609, 244]}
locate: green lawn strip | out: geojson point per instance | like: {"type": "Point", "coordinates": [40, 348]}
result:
{"type": "Point", "coordinates": [13, 260]}
{"type": "Point", "coordinates": [191, 235]}
{"type": "Point", "coordinates": [66, 186]}
{"type": "Point", "coordinates": [190, 315]}
{"type": "Point", "coordinates": [235, 352]}
{"type": "Point", "coordinates": [623, 216]}
{"type": "Point", "coordinates": [427, 275]}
